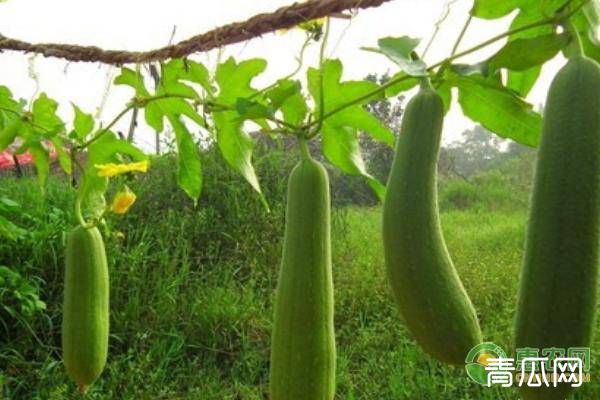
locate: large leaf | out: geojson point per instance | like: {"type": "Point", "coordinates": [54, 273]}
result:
{"type": "Point", "coordinates": [134, 79]}
{"type": "Point", "coordinates": [337, 93]}
{"type": "Point", "coordinates": [498, 109]}
{"type": "Point", "coordinates": [234, 81]}
{"type": "Point", "coordinates": [189, 168]}
{"type": "Point", "coordinates": [340, 147]}
{"type": "Point", "coordinates": [522, 81]}
{"type": "Point", "coordinates": [187, 70]}
{"type": "Point", "coordinates": [400, 51]}
{"type": "Point", "coordinates": [340, 130]}
{"type": "Point", "coordinates": [521, 54]}
{"type": "Point", "coordinates": [44, 115]}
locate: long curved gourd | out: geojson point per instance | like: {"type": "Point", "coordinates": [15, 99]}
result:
{"type": "Point", "coordinates": [85, 308]}
{"type": "Point", "coordinates": [303, 342]}
{"type": "Point", "coordinates": [557, 298]}
{"type": "Point", "coordinates": [426, 286]}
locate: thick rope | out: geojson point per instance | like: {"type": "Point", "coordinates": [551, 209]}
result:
{"type": "Point", "coordinates": [256, 26]}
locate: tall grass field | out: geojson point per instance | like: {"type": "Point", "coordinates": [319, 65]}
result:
{"type": "Point", "coordinates": [192, 288]}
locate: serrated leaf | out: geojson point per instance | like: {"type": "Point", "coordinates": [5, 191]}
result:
{"type": "Point", "coordinates": [400, 50]}
{"type": "Point", "coordinates": [133, 79]}
{"type": "Point", "coordinates": [83, 123]}
{"type": "Point", "coordinates": [337, 93]}
{"type": "Point", "coordinates": [521, 54]}
{"type": "Point", "coordinates": [189, 168]}
{"type": "Point", "coordinates": [498, 110]}
{"type": "Point", "coordinates": [44, 114]}
{"type": "Point", "coordinates": [179, 69]}
{"type": "Point", "coordinates": [340, 147]}
{"type": "Point", "coordinates": [157, 110]}
{"type": "Point", "coordinates": [234, 81]}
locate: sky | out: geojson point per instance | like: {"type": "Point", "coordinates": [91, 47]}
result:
{"type": "Point", "coordinates": [148, 24]}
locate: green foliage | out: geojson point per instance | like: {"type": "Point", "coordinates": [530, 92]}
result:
{"type": "Point", "coordinates": [191, 288]}
{"type": "Point", "coordinates": [18, 296]}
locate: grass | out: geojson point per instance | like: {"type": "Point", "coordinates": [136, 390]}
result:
{"type": "Point", "coordinates": [192, 291]}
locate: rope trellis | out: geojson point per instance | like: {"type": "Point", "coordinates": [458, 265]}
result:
{"type": "Point", "coordinates": [283, 18]}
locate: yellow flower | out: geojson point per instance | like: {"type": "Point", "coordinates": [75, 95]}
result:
{"type": "Point", "coordinates": [111, 169]}
{"type": "Point", "coordinates": [122, 201]}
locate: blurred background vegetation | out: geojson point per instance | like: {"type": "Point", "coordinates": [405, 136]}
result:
{"type": "Point", "coordinates": [192, 287]}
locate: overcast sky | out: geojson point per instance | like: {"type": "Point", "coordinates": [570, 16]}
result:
{"type": "Point", "coordinates": [147, 24]}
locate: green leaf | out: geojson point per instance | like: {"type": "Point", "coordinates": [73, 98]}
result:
{"type": "Point", "coordinates": [492, 9]}
{"type": "Point", "coordinates": [498, 109]}
{"type": "Point", "coordinates": [7, 101]}
{"type": "Point", "coordinates": [340, 147]}
{"type": "Point", "coordinates": [41, 161]}
{"type": "Point", "coordinates": [156, 110]}
{"type": "Point", "coordinates": [64, 159]}
{"type": "Point", "coordinates": [445, 92]}
{"type": "Point", "coordinates": [9, 133]}
{"type": "Point", "coordinates": [337, 93]}
{"type": "Point", "coordinates": [287, 97]}
{"type": "Point", "coordinates": [44, 115]}
{"type": "Point", "coordinates": [83, 123]}
{"type": "Point", "coordinates": [179, 69]}
{"type": "Point", "coordinates": [521, 54]}
{"type": "Point", "coordinates": [588, 31]}
{"type": "Point", "coordinates": [189, 168]}
{"type": "Point", "coordinates": [522, 81]}
{"type": "Point", "coordinates": [400, 51]}
{"type": "Point", "coordinates": [131, 78]}
{"type": "Point", "coordinates": [234, 81]}
{"type": "Point", "coordinates": [250, 109]}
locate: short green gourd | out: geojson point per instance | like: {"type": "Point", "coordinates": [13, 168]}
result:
{"type": "Point", "coordinates": [303, 342]}
{"type": "Point", "coordinates": [85, 309]}
{"type": "Point", "coordinates": [425, 284]}
{"type": "Point", "coordinates": [559, 279]}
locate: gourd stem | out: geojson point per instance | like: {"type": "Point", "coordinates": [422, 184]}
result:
{"type": "Point", "coordinates": [575, 47]}
{"type": "Point", "coordinates": [304, 151]}
{"type": "Point", "coordinates": [425, 82]}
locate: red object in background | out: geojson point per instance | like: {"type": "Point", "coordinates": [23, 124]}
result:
{"type": "Point", "coordinates": [7, 161]}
